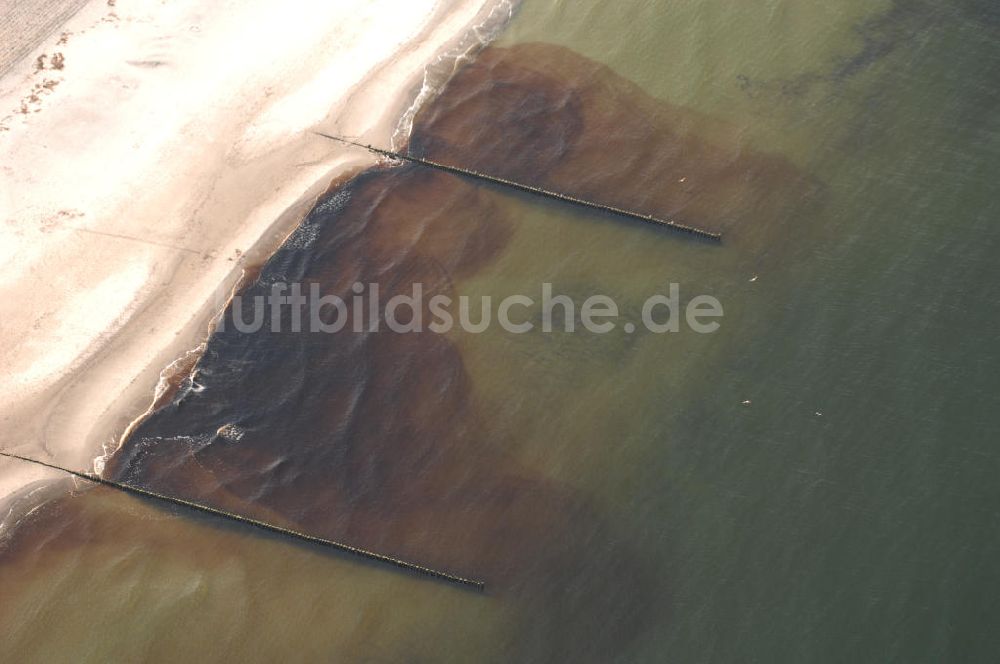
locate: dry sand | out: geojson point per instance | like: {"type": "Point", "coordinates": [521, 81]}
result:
{"type": "Point", "coordinates": [166, 147]}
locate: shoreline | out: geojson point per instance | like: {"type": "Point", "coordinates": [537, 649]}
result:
{"type": "Point", "coordinates": [154, 182]}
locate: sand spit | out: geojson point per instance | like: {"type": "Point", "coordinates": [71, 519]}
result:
{"type": "Point", "coordinates": [148, 153]}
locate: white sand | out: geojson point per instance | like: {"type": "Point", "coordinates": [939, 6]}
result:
{"type": "Point", "coordinates": [172, 149]}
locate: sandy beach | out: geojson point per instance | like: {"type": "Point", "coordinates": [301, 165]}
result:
{"type": "Point", "coordinates": [149, 153]}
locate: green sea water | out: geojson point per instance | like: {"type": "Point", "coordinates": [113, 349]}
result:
{"type": "Point", "coordinates": [815, 482]}
{"type": "Point", "coordinates": [850, 511]}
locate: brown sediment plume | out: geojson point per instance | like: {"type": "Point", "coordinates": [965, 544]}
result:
{"type": "Point", "coordinates": [544, 115]}
{"type": "Point", "coordinates": [376, 438]}
{"type": "Point", "coordinates": [291, 533]}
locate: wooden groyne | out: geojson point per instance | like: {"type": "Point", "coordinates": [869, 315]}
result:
{"type": "Point", "coordinates": [286, 532]}
{"type": "Point", "coordinates": [673, 225]}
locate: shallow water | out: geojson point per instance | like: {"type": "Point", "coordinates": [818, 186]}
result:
{"type": "Point", "coordinates": [616, 492]}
